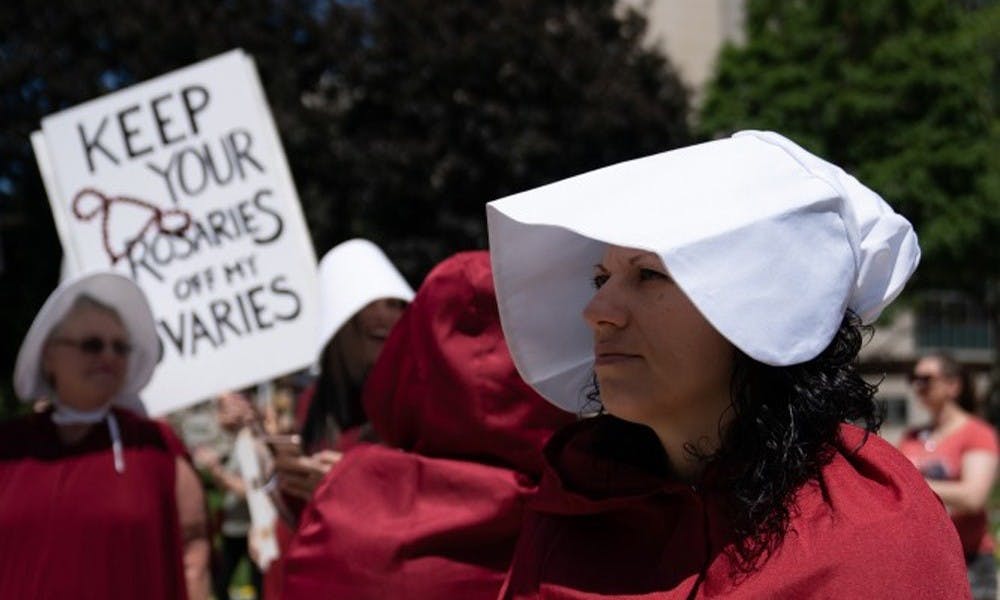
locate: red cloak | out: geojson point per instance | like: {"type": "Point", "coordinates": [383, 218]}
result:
{"type": "Point", "coordinates": [869, 528]}
{"type": "Point", "coordinates": [436, 512]}
{"type": "Point", "coordinates": [71, 527]}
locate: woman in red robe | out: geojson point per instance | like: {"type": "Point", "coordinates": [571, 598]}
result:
{"type": "Point", "coordinates": [735, 455]}
{"type": "Point", "coordinates": [362, 296]}
{"type": "Point", "coordinates": [96, 501]}
{"type": "Point", "coordinates": [435, 512]}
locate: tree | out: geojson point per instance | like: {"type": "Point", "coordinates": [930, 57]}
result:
{"type": "Point", "coordinates": [897, 93]}
{"type": "Point", "coordinates": [902, 94]}
{"type": "Point", "coordinates": [58, 54]}
{"type": "Point", "coordinates": [400, 119]}
{"type": "Point", "coordinates": [451, 105]}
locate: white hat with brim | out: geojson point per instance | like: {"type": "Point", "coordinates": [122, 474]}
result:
{"type": "Point", "coordinates": [771, 243]}
{"type": "Point", "coordinates": [352, 275]}
{"type": "Point", "coordinates": [109, 288]}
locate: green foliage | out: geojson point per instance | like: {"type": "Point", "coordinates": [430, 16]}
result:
{"type": "Point", "coordinates": [900, 93]}
{"type": "Point", "coordinates": [400, 119]}
{"type": "Point", "coordinates": [450, 105]}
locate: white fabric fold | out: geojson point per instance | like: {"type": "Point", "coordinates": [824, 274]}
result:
{"type": "Point", "coordinates": [771, 243]}
{"type": "Point", "coordinates": [352, 275]}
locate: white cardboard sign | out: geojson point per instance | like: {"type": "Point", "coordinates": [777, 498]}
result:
{"type": "Point", "coordinates": [181, 183]}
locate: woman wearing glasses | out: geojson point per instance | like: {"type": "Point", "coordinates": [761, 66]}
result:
{"type": "Point", "coordinates": [95, 500]}
{"type": "Point", "coordinates": [706, 303]}
{"type": "Point", "coordinates": [957, 453]}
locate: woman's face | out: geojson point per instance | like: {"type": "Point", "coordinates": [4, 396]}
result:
{"type": "Point", "coordinates": [86, 357]}
{"type": "Point", "coordinates": [365, 334]}
{"type": "Point", "coordinates": [932, 387]}
{"type": "Point", "coordinates": [655, 356]}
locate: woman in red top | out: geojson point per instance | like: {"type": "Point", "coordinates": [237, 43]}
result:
{"type": "Point", "coordinates": [435, 512]}
{"type": "Point", "coordinates": [719, 337]}
{"type": "Point", "coordinates": [95, 500]}
{"type": "Point", "coordinates": [957, 454]}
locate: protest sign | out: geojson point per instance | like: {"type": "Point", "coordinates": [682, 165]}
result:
{"type": "Point", "coordinates": [181, 183]}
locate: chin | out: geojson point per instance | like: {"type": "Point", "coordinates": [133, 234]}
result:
{"type": "Point", "coordinates": [627, 406]}
{"type": "Point", "coordinates": [100, 395]}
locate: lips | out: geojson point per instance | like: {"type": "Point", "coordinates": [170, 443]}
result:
{"type": "Point", "coordinates": [606, 356]}
{"type": "Point", "coordinates": [104, 373]}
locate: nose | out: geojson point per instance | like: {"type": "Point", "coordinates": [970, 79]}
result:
{"type": "Point", "coordinates": [604, 310]}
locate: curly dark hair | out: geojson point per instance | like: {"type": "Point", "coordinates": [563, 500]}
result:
{"type": "Point", "coordinates": [784, 423]}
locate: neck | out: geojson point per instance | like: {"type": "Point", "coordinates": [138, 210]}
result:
{"type": "Point", "coordinates": [68, 414]}
{"type": "Point", "coordinates": [71, 434]}
{"type": "Point", "coordinates": [949, 415]}
{"type": "Point", "coordinates": [702, 435]}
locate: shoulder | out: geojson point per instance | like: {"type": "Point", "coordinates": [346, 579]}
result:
{"type": "Point", "coordinates": [18, 432]}
{"type": "Point", "coordinates": [870, 513]}
{"type": "Point", "coordinates": [913, 433]}
{"type": "Point", "coordinates": [976, 426]}
{"type": "Point", "coordinates": [19, 423]}
{"type": "Point", "coordinates": [980, 435]}
{"type": "Point", "coordinates": [869, 483]}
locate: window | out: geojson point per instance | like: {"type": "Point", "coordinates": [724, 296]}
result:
{"type": "Point", "coordinates": [952, 320]}
{"type": "Point", "coordinates": [895, 410]}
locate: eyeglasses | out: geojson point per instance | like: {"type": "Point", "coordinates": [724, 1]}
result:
{"type": "Point", "coordinates": [921, 380]}
{"type": "Point", "coordinates": [94, 345]}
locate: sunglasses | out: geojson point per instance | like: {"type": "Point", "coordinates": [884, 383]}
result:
{"type": "Point", "coordinates": [921, 380]}
{"type": "Point", "coordinates": [94, 345]}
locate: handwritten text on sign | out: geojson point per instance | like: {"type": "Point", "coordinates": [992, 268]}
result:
{"type": "Point", "coordinates": [181, 183]}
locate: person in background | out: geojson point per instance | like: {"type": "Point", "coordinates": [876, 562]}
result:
{"type": "Point", "coordinates": [957, 453]}
{"type": "Point", "coordinates": [95, 500]}
{"type": "Point", "coordinates": [708, 302]}
{"type": "Point", "coordinates": [362, 295]}
{"type": "Point", "coordinates": [435, 510]}
{"type": "Point", "coordinates": [233, 412]}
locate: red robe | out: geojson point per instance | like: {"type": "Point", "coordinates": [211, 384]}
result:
{"type": "Point", "coordinates": [274, 576]}
{"type": "Point", "coordinates": [870, 528]}
{"type": "Point", "coordinates": [71, 527]}
{"type": "Point", "coordinates": [435, 513]}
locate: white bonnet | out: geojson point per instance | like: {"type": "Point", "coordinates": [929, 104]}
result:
{"type": "Point", "coordinates": [770, 242]}
{"type": "Point", "coordinates": [109, 288]}
{"type": "Point", "coordinates": [352, 275]}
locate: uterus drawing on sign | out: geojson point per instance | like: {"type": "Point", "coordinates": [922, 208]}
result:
{"type": "Point", "coordinates": [125, 220]}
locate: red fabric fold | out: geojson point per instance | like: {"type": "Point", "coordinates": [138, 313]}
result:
{"type": "Point", "coordinates": [869, 528]}
{"type": "Point", "coordinates": [437, 514]}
